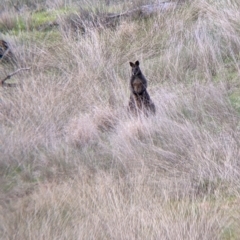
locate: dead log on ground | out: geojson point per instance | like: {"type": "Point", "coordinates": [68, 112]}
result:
{"type": "Point", "coordinates": [146, 10]}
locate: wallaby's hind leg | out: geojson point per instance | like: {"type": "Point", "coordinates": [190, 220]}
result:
{"type": "Point", "coordinates": [148, 104]}
{"type": "Point", "coordinates": [131, 104]}
{"type": "Point", "coordinates": [134, 105]}
{"type": "Point", "coordinates": [152, 108]}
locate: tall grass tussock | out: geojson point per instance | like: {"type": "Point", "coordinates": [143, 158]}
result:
{"type": "Point", "coordinates": [75, 164]}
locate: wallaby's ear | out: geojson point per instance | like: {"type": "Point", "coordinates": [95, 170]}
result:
{"type": "Point", "coordinates": [137, 63]}
{"type": "Point", "coordinates": [131, 64]}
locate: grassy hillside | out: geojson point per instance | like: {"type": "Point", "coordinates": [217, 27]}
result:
{"type": "Point", "coordinates": [74, 164]}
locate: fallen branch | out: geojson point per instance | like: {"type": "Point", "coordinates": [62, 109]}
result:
{"type": "Point", "coordinates": [146, 10]}
{"type": "Point", "coordinates": [2, 82]}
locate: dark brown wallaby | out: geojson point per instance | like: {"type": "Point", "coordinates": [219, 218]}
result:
{"type": "Point", "coordinates": [140, 100]}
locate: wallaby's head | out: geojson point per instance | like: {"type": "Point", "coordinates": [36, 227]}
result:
{"type": "Point", "coordinates": [135, 68]}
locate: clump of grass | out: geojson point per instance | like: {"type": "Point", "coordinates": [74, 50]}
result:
{"type": "Point", "coordinates": [82, 21]}
{"type": "Point", "coordinates": [7, 21]}
{"type": "Point", "coordinates": [82, 131]}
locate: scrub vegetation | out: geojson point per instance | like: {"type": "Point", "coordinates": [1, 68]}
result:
{"type": "Point", "coordinates": [75, 164]}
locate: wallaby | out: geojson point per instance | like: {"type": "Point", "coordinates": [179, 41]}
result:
{"type": "Point", "coordinates": [140, 100]}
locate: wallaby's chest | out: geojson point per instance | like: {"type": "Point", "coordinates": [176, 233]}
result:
{"type": "Point", "coordinates": [137, 85]}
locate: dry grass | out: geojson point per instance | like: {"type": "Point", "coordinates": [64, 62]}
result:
{"type": "Point", "coordinates": [100, 206]}
{"type": "Point", "coordinates": [75, 165]}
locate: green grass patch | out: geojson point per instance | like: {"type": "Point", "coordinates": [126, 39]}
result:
{"type": "Point", "coordinates": [47, 38]}
{"type": "Point", "coordinates": [34, 21]}
{"type": "Point", "coordinates": [44, 17]}
{"type": "Point", "coordinates": [230, 233]}
{"type": "Point", "coordinates": [235, 100]}
{"type": "Point", "coordinates": [11, 175]}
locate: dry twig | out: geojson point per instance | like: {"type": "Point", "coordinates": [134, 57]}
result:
{"type": "Point", "coordinates": [2, 82]}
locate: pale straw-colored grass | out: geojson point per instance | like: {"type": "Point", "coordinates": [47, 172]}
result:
{"type": "Point", "coordinates": [74, 164]}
